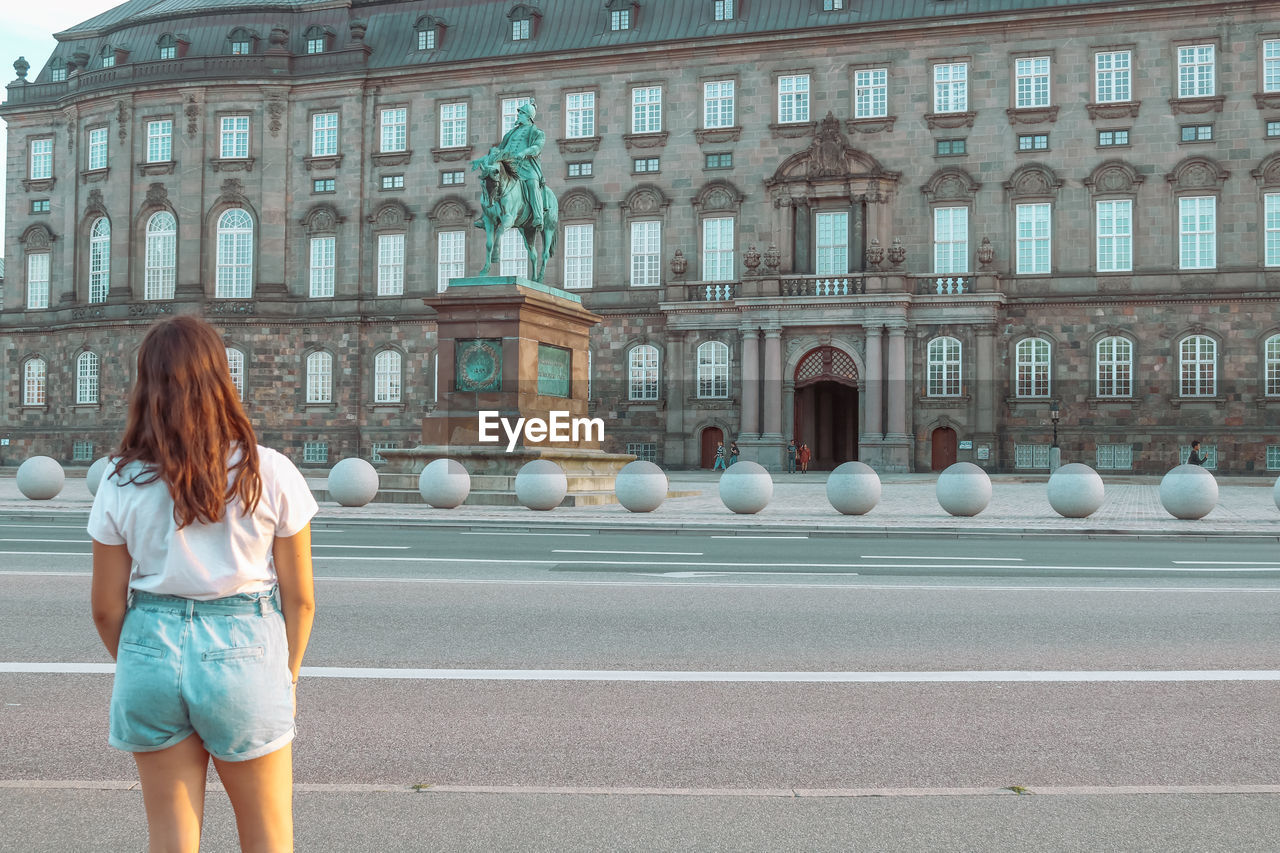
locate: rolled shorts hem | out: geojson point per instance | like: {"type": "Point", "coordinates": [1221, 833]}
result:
{"type": "Point", "coordinates": [172, 740]}
{"type": "Point", "coordinates": [258, 751]}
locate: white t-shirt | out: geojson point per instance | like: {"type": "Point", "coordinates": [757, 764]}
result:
{"type": "Point", "coordinates": [201, 561]}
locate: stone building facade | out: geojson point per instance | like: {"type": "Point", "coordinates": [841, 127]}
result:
{"type": "Point", "coordinates": [907, 233]}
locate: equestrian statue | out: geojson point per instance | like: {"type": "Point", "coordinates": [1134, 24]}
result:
{"type": "Point", "coordinates": [513, 194]}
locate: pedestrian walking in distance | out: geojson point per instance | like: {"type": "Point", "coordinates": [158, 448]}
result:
{"type": "Point", "coordinates": [202, 593]}
{"type": "Point", "coordinates": [733, 452]}
{"type": "Point", "coordinates": [791, 456]}
{"type": "Point", "coordinates": [720, 465]}
{"type": "Point", "coordinates": [1195, 458]}
{"type": "Point", "coordinates": [804, 455]}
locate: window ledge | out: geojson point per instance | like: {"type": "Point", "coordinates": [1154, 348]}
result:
{"type": "Point", "coordinates": [1197, 106]}
{"type": "Point", "coordinates": [879, 124]}
{"type": "Point", "coordinates": [391, 158]}
{"type": "Point", "coordinates": [319, 407]}
{"type": "Point", "coordinates": [1032, 115]}
{"type": "Point", "coordinates": [645, 140]}
{"type": "Point", "coordinates": [38, 185]}
{"type": "Point", "coordinates": [1094, 402]}
{"type": "Point", "coordinates": [1218, 401]}
{"type": "Point", "coordinates": [793, 129]}
{"type": "Point", "coordinates": [93, 176]}
{"type": "Point", "coordinates": [439, 155]}
{"type": "Point", "coordinates": [387, 408]}
{"type": "Point", "coordinates": [579, 144]}
{"type": "Point", "coordinates": [1014, 400]}
{"type": "Point", "coordinates": [1264, 401]}
{"type": "Point", "coordinates": [1113, 109]}
{"type": "Point", "coordinates": [950, 120]}
{"type": "Point", "coordinates": [93, 407]}
{"type": "Point", "coordinates": [1267, 100]}
{"type": "Point", "coordinates": [716, 135]}
{"type": "Point", "coordinates": [36, 407]}
{"type": "Point", "coordinates": [939, 402]}
{"type": "Point", "coordinates": [231, 164]}
{"type": "Point", "coordinates": [160, 167]}
{"type": "Point", "coordinates": [322, 163]}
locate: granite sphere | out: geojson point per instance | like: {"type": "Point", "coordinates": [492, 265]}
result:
{"type": "Point", "coordinates": [444, 483]}
{"type": "Point", "coordinates": [93, 478]}
{"type": "Point", "coordinates": [640, 486]}
{"type": "Point", "coordinates": [40, 478]}
{"type": "Point", "coordinates": [1075, 490]}
{"type": "Point", "coordinates": [541, 485]}
{"type": "Point", "coordinates": [353, 482]}
{"type": "Point", "coordinates": [1189, 492]}
{"type": "Point", "coordinates": [746, 487]}
{"type": "Point", "coordinates": [964, 489]}
{"type": "Point", "coordinates": [853, 488]}
{"type": "Point", "coordinates": [1275, 493]}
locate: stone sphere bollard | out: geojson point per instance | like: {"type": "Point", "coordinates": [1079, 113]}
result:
{"type": "Point", "coordinates": [541, 485]}
{"type": "Point", "coordinates": [1075, 490]}
{"type": "Point", "coordinates": [40, 478]}
{"type": "Point", "coordinates": [1189, 492]}
{"type": "Point", "coordinates": [746, 487]}
{"type": "Point", "coordinates": [853, 488]}
{"type": "Point", "coordinates": [353, 482]}
{"type": "Point", "coordinates": [444, 483]}
{"type": "Point", "coordinates": [640, 486]}
{"type": "Point", "coordinates": [93, 478]}
{"type": "Point", "coordinates": [964, 489]}
{"type": "Point", "coordinates": [1275, 493]}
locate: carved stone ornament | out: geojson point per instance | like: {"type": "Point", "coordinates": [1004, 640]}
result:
{"type": "Point", "coordinates": [1197, 106]}
{"type": "Point", "coordinates": [883, 124]}
{"type": "Point", "coordinates": [1119, 109]}
{"type": "Point", "coordinates": [1267, 100]}
{"type": "Point", "coordinates": [95, 204]}
{"type": "Point", "coordinates": [157, 195]}
{"type": "Point", "coordinates": [1033, 181]}
{"type": "Point", "coordinates": [717, 135]}
{"type": "Point", "coordinates": [644, 200]}
{"type": "Point", "coordinates": [438, 155]}
{"type": "Point", "coordinates": [232, 192]}
{"type": "Point", "coordinates": [192, 111]}
{"type": "Point", "coordinates": [950, 120]}
{"type": "Point", "coordinates": [579, 145]}
{"type": "Point", "coordinates": [122, 119]}
{"type": "Point", "coordinates": [36, 237]}
{"type": "Point", "coordinates": [449, 212]}
{"type": "Point", "coordinates": [578, 205]}
{"type": "Point", "coordinates": [792, 130]}
{"type": "Point", "coordinates": [897, 252]}
{"type": "Point", "coordinates": [393, 215]}
{"type": "Point", "coordinates": [21, 66]}
{"type": "Point", "coordinates": [751, 260]}
{"type": "Point", "coordinates": [1032, 115]}
{"type": "Point", "coordinates": [1197, 173]}
{"type": "Point", "coordinates": [644, 140]}
{"type": "Point", "coordinates": [986, 253]}
{"type": "Point", "coordinates": [875, 254]}
{"type": "Point", "coordinates": [772, 258]}
{"type": "Point", "coordinates": [679, 264]}
{"type": "Point", "coordinates": [827, 153]}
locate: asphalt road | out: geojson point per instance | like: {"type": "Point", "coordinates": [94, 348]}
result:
{"type": "Point", "coordinates": [469, 690]}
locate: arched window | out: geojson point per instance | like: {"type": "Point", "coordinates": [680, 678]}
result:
{"type": "Point", "coordinates": [386, 377]}
{"type": "Point", "coordinates": [320, 377]}
{"type": "Point", "coordinates": [1198, 366]}
{"type": "Point", "coordinates": [1271, 365]}
{"type": "Point", "coordinates": [1115, 367]}
{"type": "Point", "coordinates": [944, 367]}
{"type": "Point", "coordinates": [713, 370]}
{"type": "Point", "coordinates": [1032, 356]}
{"type": "Point", "coordinates": [87, 378]}
{"type": "Point", "coordinates": [99, 259]}
{"type": "Point", "coordinates": [34, 373]}
{"type": "Point", "coordinates": [234, 275]}
{"type": "Point", "coordinates": [161, 259]}
{"type": "Point", "coordinates": [642, 373]}
{"type": "Point", "coordinates": [235, 363]}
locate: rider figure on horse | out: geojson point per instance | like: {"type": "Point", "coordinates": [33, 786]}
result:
{"type": "Point", "coordinates": [520, 148]}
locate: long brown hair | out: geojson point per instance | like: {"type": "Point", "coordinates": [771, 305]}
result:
{"type": "Point", "coordinates": [184, 416]}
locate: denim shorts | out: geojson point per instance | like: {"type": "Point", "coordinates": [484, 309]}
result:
{"type": "Point", "coordinates": [218, 669]}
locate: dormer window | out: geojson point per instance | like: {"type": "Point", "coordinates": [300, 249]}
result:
{"type": "Point", "coordinates": [430, 31]}
{"type": "Point", "coordinates": [622, 14]}
{"type": "Point", "coordinates": [171, 46]}
{"type": "Point", "coordinates": [724, 10]}
{"type": "Point", "coordinates": [832, 5]}
{"type": "Point", "coordinates": [58, 74]}
{"type": "Point", "coordinates": [108, 56]}
{"type": "Point", "coordinates": [524, 21]}
{"type": "Point", "coordinates": [318, 39]}
{"type": "Point", "coordinates": [243, 41]}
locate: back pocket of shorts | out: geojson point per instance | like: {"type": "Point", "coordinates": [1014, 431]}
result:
{"type": "Point", "coordinates": [237, 653]}
{"type": "Point", "coordinates": [138, 648]}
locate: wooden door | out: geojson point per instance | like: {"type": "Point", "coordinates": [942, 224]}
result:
{"type": "Point", "coordinates": [944, 448]}
{"type": "Point", "coordinates": [711, 437]}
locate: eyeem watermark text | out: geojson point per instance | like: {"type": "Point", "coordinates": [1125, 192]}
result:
{"type": "Point", "coordinates": [560, 427]}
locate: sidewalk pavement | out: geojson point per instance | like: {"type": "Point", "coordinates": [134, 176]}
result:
{"type": "Point", "coordinates": [1246, 507]}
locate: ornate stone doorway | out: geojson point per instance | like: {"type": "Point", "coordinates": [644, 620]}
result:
{"type": "Point", "coordinates": [944, 448]}
{"type": "Point", "coordinates": [826, 407]}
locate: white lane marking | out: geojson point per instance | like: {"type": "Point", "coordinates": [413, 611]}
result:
{"type": "Point", "coordinates": [487, 533]}
{"type": "Point", "coordinates": [752, 574]}
{"type": "Point", "coordinates": [1224, 563]}
{"type": "Point", "coordinates": [731, 676]}
{"type": "Point", "coordinates": [368, 547]}
{"type": "Point", "coordinates": [759, 537]}
{"type": "Point", "coordinates": [79, 527]}
{"type": "Point", "coordinates": [895, 557]}
{"type": "Point", "coordinates": [49, 553]}
{"type": "Point", "coordinates": [632, 553]}
{"type": "Point", "coordinates": [86, 540]}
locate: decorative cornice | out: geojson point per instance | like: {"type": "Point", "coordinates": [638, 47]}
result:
{"type": "Point", "coordinates": [163, 168]}
{"type": "Point", "coordinates": [793, 130]}
{"type": "Point", "coordinates": [1267, 100]}
{"type": "Point", "coordinates": [1197, 106]}
{"type": "Point", "coordinates": [391, 158]}
{"type": "Point", "coordinates": [39, 185]}
{"type": "Point", "coordinates": [884, 124]}
{"type": "Point", "coordinates": [950, 120]}
{"type": "Point", "coordinates": [93, 176]}
{"type": "Point", "coordinates": [1032, 115]}
{"type": "Point", "coordinates": [238, 164]}
{"type": "Point", "coordinates": [1115, 109]}
{"type": "Point", "coordinates": [579, 145]}
{"type": "Point", "coordinates": [321, 164]}
{"type": "Point", "coordinates": [718, 135]}
{"type": "Point", "coordinates": [438, 155]}
{"type": "Point", "coordinates": [644, 140]}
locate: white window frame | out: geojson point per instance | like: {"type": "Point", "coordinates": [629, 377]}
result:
{"type": "Point", "coordinates": [160, 261]}
{"type": "Point", "coordinates": [1197, 73]}
{"type": "Point", "coordinates": [713, 370]}
{"type": "Point", "coordinates": [233, 137]}
{"type": "Point", "coordinates": [1271, 366]}
{"type": "Point", "coordinates": [1197, 232]}
{"type": "Point", "coordinates": [1197, 366]}
{"type": "Point", "coordinates": [235, 366]}
{"type": "Point", "coordinates": [723, 10]}
{"type": "Point", "coordinates": [319, 384]}
{"type": "Point", "coordinates": [511, 110]}
{"type": "Point", "coordinates": [580, 115]}
{"type": "Point", "coordinates": [1271, 229]}
{"type": "Point", "coordinates": [646, 253]}
{"type": "Point", "coordinates": [1114, 457]}
{"type": "Point", "coordinates": [451, 257]}
{"type": "Point", "coordinates": [513, 254]}
{"type": "Point", "coordinates": [717, 248]}
{"type": "Point", "coordinates": [718, 107]}
{"type": "Point", "coordinates": [1113, 373]}
{"type": "Point", "coordinates": [453, 125]}
{"type": "Point", "coordinates": [646, 109]}
{"type": "Point", "coordinates": [620, 20]}
{"type": "Point", "coordinates": [316, 45]}
{"type": "Point", "coordinates": [160, 140]}
{"type": "Point", "coordinates": [391, 264]}
{"type": "Point", "coordinates": [1033, 358]}
{"type": "Point", "coordinates": [315, 452]}
{"type": "Point", "coordinates": [1034, 245]}
{"type": "Point", "coordinates": [35, 376]}
{"type": "Point", "coordinates": [871, 93]}
{"type": "Point", "coordinates": [233, 277]}
{"type": "Point", "coordinates": [38, 264]}
{"type": "Point", "coordinates": [427, 38]}
{"type": "Point", "coordinates": [944, 359]}
{"type": "Point", "coordinates": [97, 149]}
{"type": "Point", "coordinates": [1114, 232]}
{"type": "Point", "coordinates": [951, 87]}
{"type": "Point", "coordinates": [831, 242]}
{"type": "Point", "coordinates": [393, 130]}
{"type": "Point", "coordinates": [642, 373]}
{"type": "Point", "coordinates": [1113, 76]}
{"type": "Point", "coordinates": [579, 256]}
{"type": "Point", "coordinates": [87, 366]}
{"type": "Point", "coordinates": [99, 259]}
{"type": "Point", "coordinates": [1031, 82]}
{"type": "Point", "coordinates": [521, 30]}
{"type": "Point", "coordinates": [793, 99]}
{"type": "Point", "coordinates": [41, 159]}
{"type": "Point", "coordinates": [323, 251]}
{"type": "Point", "coordinates": [950, 240]}
{"type": "Point", "coordinates": [1271, 65]}
{"type": "Point", "coordinates": [388, 379]}
{"type": "Point", "coordinates": [324, 134]}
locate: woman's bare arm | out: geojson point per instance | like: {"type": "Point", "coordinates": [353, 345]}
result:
{"type": "Point", "coordinates": [292, 557]}
{"type": "Point", "coordinates": [109, 597]}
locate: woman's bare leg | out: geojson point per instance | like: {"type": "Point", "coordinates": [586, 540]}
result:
{"type": "Point", "coordinates": [173, 793]}
{"type": "Point", "coordinates": [261, 792]}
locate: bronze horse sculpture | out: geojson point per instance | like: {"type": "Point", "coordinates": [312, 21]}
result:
{"type": "Point", "coordinates": [503, 206]}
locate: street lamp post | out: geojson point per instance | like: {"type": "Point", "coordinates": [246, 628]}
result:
{"type": "Point", "coordinates": [1055, 452]}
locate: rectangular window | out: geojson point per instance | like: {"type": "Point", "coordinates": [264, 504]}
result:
{"type": "Point", "coordinates": [1273, 457]}
{"type": "Point", "coordinates": [1033, 142]}
{"type": "Point", "coordinates": [1112, 137]}
{"type": "Point", "coordinates": [950, 147]}
{"type": "Point", "coordinates": [1115, 236]}
{"type": "Point", "coordinates": [950, 240]}
{"type": "Point", "coordinates": [38, 281]}
{"type": "Point", "coordinates": [393, 182]}
{"type": "Point", "coordinates": [513, 255]}
{"type": "Point", "coordinates": [451, 257]}
{"type": "Point", "coordinates": [322, 252]}
{"type": "Point", "coordinates": [832, 5]}
{"type": "Point", "coordinates": [234, 138]}
{"type": "Point", "coordinates": [644, 451]}
{"type": "Point", "coordinates": [324, 134]}
{"type": "Point", "coordinates": [82, 451]}
{"type": "Point", "coordinates": [620, 20]}
{"type": "Point", "coordinates": [793, 99]}
{"type": "Point", "coordinates": [109, 60]}
{"type": "Point", "coordinates": [452, 179]}
{"type": "Point", "coordinates": [1197, 233]}
{"type": "Point", "coordinates": [644, 164]}
{"type": "Point", "coordinates": [41, 156]}
{"type": "Point", "coordinates": [1271, 65]}
{"type": "Point", "coordinates": [832, 253]}
{"type": "Point", "coordinates": [580, 115]}
{"type": "Point", "coordinates": [394, 124]}
{"type": "Point", "coordinates": [1033, 239]}
{"type": "Point", "coordinates": [646, 249]}
{"type": "Point", "coordinates": [315, 452]}
{"type": "Point", "coordinates": [315, 45]}
{"type": "Point", "coordinates": [509, 108]}
{"type": "Point", "coordinates": [1273, 129]}
{"type": "Point", "coordinates": [390, 264]}
{"type": "Point", "coordinates": [324, 185]}
{"type": "Point", "coordinates": [719, 161]}
{"type": "Point", "coordinates": [239, 48]}
{"type": "Point", "coordinates": [579, 170]}
{"type": "Point", "coordinates": [453, 125]}
{"type": "Point", "coordinates": [1032, 82]}
{"type": "Point", "coordinates": [1271, 229]}
{"type": "Point", "coordinates": [717, 249]}
{"type": "Point", "coordinates": [1114, 457]}
{"type": "Point", "coordinates": [1115, 367]}
{"type": "Point", "coordinates": [58, 75]}
{"type": "Point", "coordinates": [40, 205]}
{"type": "Point", "coordinates": [160, 141]}
{"type": "Point", "coordinates": [723, 12]}
{"type": "Point", "coordinates": [97, 149]}
{"type": "Point", "coordinates": [1031, 456]}
{"type": "Point", "coordinates": [1112, 76]}
{"type": "Point", "coordinates": [717, 104]}
{"type": "Point", "coordinates": [1195, 71]}
{"type": "Point", "coordinates": [646, 109]}
{"type": "Point", "coordinates": [170, 52]}
{"type": "Point", "coordinates": [427, 39]}
{"type": "Point", "coordinates": [871, 93]}
{"type": "Point", "coordinates": [579, 256]}
{"type": "Point", "coordinates": [375, 451]}
{"type": "Point", "coordinates": [520, 30]}
{"type": "Point", "coordinates": [1197, 133]}
{"type": "Point", "coordinates": [951, 88]}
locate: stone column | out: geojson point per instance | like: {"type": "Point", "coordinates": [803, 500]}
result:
{"type": "Point", "coordinates": [675, 372]}
{"type": "Point", "coordinates": [773, 382]}
{"type": "Point", "coordinates": [750, 422]}
{"type": "Point", "coordinates": [802, 247]}
{"type": "Point", "coordinates": [873, 425]}
{"type": "Point", "coordinates": [897, 379]}
{"type": "Point", "coordinates": [984, 381]}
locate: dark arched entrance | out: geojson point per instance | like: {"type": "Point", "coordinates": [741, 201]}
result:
{"type": "Point", "coordinates": [943, 442]}
{"type": "Point", "coordinates": [826, 407]}
{"type": "Point", "coordinates": [711, 436]}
